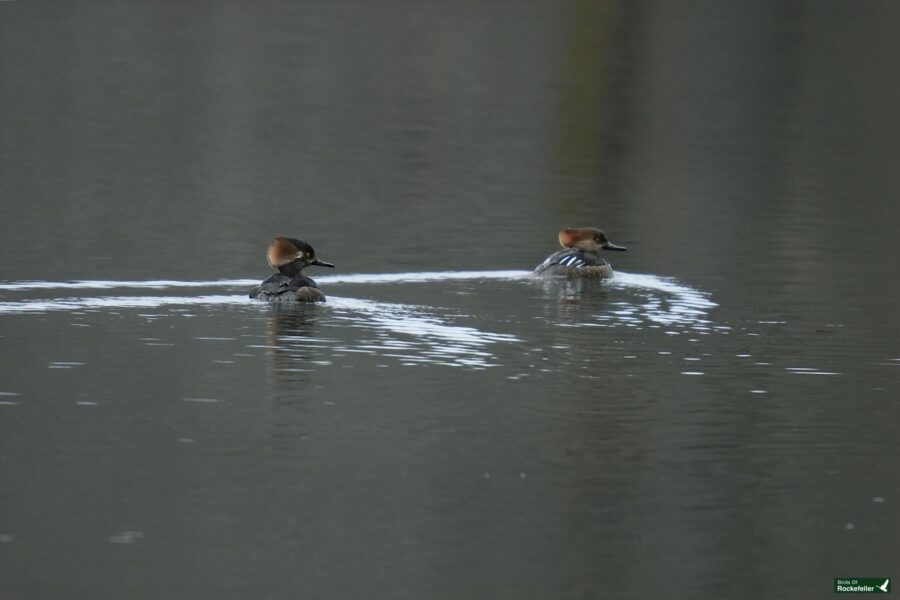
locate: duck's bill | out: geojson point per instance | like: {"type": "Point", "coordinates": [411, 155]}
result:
{"type": "Point", "coordinates": [321, 263]}
{"type": "Point", "coordinates": [611, 246]}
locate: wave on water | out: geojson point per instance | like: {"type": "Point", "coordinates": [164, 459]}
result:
{"type": "Point", "coordinates": [415, 335]}
{"type": "Point", "coordinates": [63, 304]}
{"type": "Point", "coordinates": [410, 333]}
{"type": "Point", "coordinates": [38, 305]}
{"type": "Point", "coordinates": [161, 284]}
{"type": "Point", "coordinates": [664, 301]}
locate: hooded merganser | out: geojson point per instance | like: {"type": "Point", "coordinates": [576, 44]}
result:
{"type": "Point", "coordinates": [290, 257]}
{"type": "Point", "coordinates": [580, 256]}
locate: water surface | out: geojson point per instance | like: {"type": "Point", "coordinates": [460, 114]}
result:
{"type": "Point", "coordinates": [716, 421]}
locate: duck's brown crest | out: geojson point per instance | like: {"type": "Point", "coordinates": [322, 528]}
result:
{"type": "Point", "coordinates": [281, 251]}
{"type": "Point", "coordinates": [570, 236]}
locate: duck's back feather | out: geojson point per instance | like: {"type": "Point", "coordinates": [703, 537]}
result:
{"type": "Point", "coordinates": [280, 288]}
{"type": "Point", "coordinates": [574, 262]}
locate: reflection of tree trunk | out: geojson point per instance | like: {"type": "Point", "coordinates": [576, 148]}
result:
{"type": "Point", "coordinates": [593, 108]}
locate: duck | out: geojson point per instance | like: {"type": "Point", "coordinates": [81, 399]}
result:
{"type": "Point", "coordinates": [290, 256]}
{"type": "Point", "coordinates": [580, 256]}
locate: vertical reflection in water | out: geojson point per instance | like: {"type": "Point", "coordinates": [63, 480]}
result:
{"type": "Point", "coordinates": [290, 330]}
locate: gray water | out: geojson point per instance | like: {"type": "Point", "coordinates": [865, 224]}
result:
{"type": "Point", "coordinates": [718, 421]}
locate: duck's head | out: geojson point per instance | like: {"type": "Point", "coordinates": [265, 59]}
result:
{"type": "Point", "coordinates": [291, 256]}
{"type": "Point", "coordinates": [589, 239]}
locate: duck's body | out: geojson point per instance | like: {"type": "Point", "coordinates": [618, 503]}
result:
{"type": "Point", "coordinates": [580, 256]}
{"type": "Point", "coordinates": [290, 256]}
{"type": "Point", "coordinates": [280, 288]}
{"type": "Point", "coordinates": [573, 262]}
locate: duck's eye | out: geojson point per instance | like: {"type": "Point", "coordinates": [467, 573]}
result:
{"type": "Point", "coordinates": [308, 255]}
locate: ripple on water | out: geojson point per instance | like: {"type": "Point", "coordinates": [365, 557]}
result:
{"type": "Point", "coordinates": [408, 333]}
{"type": "Point", "coordinates": [421, 334]}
